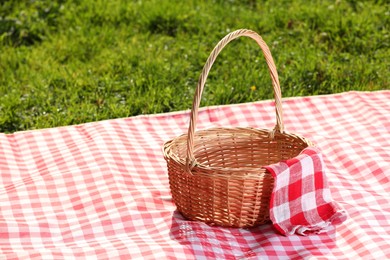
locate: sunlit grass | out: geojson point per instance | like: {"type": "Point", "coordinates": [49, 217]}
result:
{"type": "Point", "coordinates": [69, 62]}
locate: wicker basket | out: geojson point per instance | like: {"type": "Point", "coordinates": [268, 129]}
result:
{"type": "Point", "coordinates": [216, 175]}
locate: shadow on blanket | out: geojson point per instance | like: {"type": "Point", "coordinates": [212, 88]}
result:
{"type": "Point", "coordinates": [213, 242]}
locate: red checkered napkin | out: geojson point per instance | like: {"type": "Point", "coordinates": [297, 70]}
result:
{"type": "Point", "coordinates": [301, 202]}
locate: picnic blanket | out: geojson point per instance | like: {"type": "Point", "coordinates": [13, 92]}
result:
{"type": "Point", "coordinates": [100, 190]}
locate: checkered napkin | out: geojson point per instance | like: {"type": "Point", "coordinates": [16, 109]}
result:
{"type": "Point", "coordinates": [301, 202]}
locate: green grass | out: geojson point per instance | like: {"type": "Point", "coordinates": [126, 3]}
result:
{"type": "Point", "coordinates": [67, 62]}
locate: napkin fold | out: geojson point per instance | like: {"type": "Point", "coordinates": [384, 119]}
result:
{"type": "Point", "coordinates": [301, 202]}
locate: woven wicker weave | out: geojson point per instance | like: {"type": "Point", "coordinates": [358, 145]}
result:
{"type": "Point", "coordinates": [216, 175]}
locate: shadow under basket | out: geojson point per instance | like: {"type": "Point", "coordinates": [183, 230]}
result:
{"type": "Point", "coordinates": [216, 175]}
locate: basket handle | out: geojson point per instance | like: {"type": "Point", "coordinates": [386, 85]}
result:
{"type": "Point", "coordinates": [190, 163]}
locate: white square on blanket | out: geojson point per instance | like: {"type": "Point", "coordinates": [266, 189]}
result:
{"type": "Point", "coordinates": [281, 212]}
{"type": "Point", "coordinates": [283, 179]}
{"type": "Point", "coordinates": [307, 166]}
{"type": "Point", "coordinates": [308, 201]}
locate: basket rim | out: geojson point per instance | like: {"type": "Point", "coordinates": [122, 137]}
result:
{"type": "Point", "coordinates": [200, 169]}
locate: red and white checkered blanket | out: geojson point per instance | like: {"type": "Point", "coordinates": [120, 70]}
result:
{"type": "Point", "coordinates": [100, 190]}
